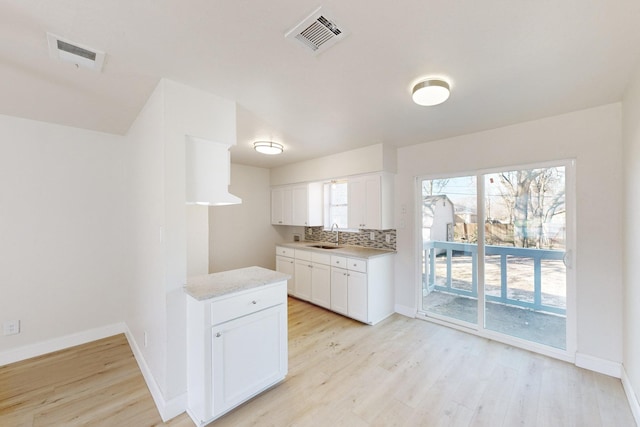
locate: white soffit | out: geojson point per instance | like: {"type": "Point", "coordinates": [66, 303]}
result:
{"type": "Point", "coordinates": [317, 32]}
{"type": "Point", "coordinates": [68, 51]}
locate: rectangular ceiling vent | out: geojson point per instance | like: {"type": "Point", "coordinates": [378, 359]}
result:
{"type": "Point", "coordinates": [68, 51]}
{"type": "Point", "coordinates": [317, 32]}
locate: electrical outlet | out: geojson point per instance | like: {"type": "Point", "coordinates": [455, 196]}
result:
{"type": "Point", "coordinates": [11, 327]}
{"type": "Point", "coordinates": [372, 235]}
{"type": "Point", "coordinates": [387, 238]}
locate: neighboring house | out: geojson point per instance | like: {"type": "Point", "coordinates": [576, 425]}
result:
{"type": "Point", "coordinates": [438, 219]}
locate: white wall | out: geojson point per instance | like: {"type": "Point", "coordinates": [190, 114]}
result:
{"type": "Point", "coordinates": [631, 227]}
{"type": "Point", "coordinates": [242, 235]}
{"type": "Point", "coordinates": [62, 210]}
{"type": "Point", "coordinates": [158, 227]}
{"type": "Point", "coordinates": [590, 136]}
{"type": "Point", "coordinates": [373, 158]}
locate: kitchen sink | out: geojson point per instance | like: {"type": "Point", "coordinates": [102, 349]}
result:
{"type": "Point", "coordinates": [325, 247]}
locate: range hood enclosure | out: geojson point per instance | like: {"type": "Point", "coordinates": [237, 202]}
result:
{"type": "Point", "coordinates": [208, 173]}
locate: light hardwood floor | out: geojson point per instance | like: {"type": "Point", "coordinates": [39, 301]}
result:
{"type": "Point", "coordinates": [401, 372]}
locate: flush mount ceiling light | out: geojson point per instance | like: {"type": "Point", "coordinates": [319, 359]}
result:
{"type": "Point", "coordinates": [430, 92]}
{"type": "Point", "coordinates": [267, 147]}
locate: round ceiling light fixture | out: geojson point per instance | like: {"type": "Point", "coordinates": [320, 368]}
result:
{"type": "Point", "coordinates": [431, 92]}
{"type": "Point", "coordinates": [268, 147]}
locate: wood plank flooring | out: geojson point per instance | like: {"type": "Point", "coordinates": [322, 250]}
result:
{"type": "Point", "coordinates": [401, 372]}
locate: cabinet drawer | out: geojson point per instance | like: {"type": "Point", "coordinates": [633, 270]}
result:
{"type": "Point", "coordinates": [338, 261]}
{"type": "Point", "coordinates": [355, 264]}
{"type": "Point", "coordinates": [304, 255]}
{"type": "Point", "coordinates": [288, 252]}
{"type": "Point", "coordinates": [321, 258]}
{"type": "Point", "coordinates": [240, 305]}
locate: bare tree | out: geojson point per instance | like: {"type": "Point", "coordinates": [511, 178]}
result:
{"type": "Point", "coordinates": [433, 187]}
{"type": "Point", "coordinates": [533, 195]}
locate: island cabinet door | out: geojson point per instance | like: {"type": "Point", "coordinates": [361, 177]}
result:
{"type": "Point", "coordinates": [249, 355]}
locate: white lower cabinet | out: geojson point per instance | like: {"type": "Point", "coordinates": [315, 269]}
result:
{"type": "Point", "coordinates": [313, 277]}
{"type": "Point", "coordinates": [359, 288]}
{"type": "Point", "coordinates": [339, 290]}
{"type": "Point", "coordinates": [236, 348]}
{"type": "Point", "coordinates": [246, 357]}
{"type": "Point", "coordinates": [303, 279]}
{"type": "Point", "coordinates": [321, 285]}
{"type": "Point", "coordinates": [285, 263]}
{"type": "Point", "coordinates": [349, 288]}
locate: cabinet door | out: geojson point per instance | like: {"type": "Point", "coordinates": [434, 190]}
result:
{"type": "Point", "coordinates": [286, 265]}
{"type": "Point", "coordinates": [365, 202]}
{"type": "Point", "coordinates": [277, 200]}
{"type": "Point", "coordinates": [321, 285]}
{"type": "Point", "coordinates": [300, 206]}
{"type": "Point", "coordinates": [357, 296]}
{"type": "Point", "coordinates": [303, 280]}
{"type": "Point", "coordinates": [373, 208]}
{"type": "Point", "coordinates": [287, 206]}
{"type": "Point", "coordinates": [249, 354]}
{"type": "Point", "coordinates": [339, 290]}
{"type": "Point", "coordinates": [356, 203]}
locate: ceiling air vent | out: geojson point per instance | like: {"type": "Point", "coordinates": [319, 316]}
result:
{"type": "Point", "coordinates": [317, 32]}
{"type": "Point", "coordinates": [79, 55]}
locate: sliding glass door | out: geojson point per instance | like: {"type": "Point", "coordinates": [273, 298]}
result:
{"type": "Point", "coordinates": [449, 255]}
{"type": "Point", "coordinates": [494, 252]}
{"type": "Point", "coordinates": [525, 244]}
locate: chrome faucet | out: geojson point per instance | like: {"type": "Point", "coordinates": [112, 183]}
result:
{"type": "Point", "coordinates": [337, 232]}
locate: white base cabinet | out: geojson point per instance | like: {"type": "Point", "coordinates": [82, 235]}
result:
{"type": "Point", "coordinates": [313, 277]}
{"type": "Point", "coordinates": [285, 263]}
{"type": "Point", "coordinates": [237, 348]}
{"type": "Point", "coordinates": [355, 287]}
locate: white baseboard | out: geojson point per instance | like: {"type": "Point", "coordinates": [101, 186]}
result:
{"type": "Point", "coordinates": [631, 396]}
{"type": "Point", "coordinates": [603, 366]}
{"type": "Point", "coordinates": [168, 409]}
{"type": "Point", "coordinates": [60, 343]}
{"type": "Point", "coordinates": [405, 311]}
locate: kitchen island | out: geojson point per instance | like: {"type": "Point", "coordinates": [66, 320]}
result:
{"type": "Point", "coordinates": [236, 338]}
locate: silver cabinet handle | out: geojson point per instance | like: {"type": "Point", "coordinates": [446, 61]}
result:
{"type": "Point", "coordinates": [253, 302]}
{"type": "Point", "coordinates": [218, 335]}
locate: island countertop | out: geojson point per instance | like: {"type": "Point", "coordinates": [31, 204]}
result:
{"type": "Point", "coordinates": [214, 285]}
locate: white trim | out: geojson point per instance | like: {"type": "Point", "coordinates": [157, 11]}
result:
{"type": "Point", "coordinates": [168, 409]}
{"type": "Point", "coordinates": [603, 366]}
{"type": "Point", "coordinates": [405, 311]}
{"type": "Point", "coordinates": [60, 343]}
{"type": "Point", "coordinates": [631, 396]}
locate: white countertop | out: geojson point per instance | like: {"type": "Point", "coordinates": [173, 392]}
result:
{"type": "Point", "coordinates": [342, 250]}
{"type": "Point", "coordinates": [232, 281]}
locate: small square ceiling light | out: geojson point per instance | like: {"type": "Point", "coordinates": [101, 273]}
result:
{"type": "Point", "coordinates": [430, 92]}
{"type": "Point", "coordinates": [267, 147]}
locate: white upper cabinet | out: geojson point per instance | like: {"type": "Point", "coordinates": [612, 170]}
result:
{"type": "Point", "coordinates": [371, 202]}
{"type": "Point", "coordinates": [299, 204]}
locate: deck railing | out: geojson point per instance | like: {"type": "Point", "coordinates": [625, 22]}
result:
{"type": "Point", "coordinates": [432, 248]}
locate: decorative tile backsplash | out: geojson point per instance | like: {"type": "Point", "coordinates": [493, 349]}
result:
{"type": "Point", "coordinates": [360, 238]}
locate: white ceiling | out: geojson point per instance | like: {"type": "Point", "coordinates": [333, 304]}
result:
{"type": "Point", "coordinates": [508, 61]}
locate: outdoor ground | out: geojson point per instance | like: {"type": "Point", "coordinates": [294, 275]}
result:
{"type": "Point", "coordinates": [545, 328]}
